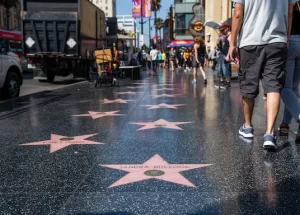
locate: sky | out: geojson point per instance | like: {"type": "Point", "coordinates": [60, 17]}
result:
{"type": "Point", "coordinates": [124, 7]}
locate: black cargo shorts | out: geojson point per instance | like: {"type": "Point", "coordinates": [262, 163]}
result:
{"type": "Point", "coordinates": [266, 63]}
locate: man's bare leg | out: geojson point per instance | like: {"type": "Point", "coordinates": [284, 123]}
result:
{"type": "Point", "coordinates": [273, 105]}
{"type": "Point", "coordinates": [248, 111]}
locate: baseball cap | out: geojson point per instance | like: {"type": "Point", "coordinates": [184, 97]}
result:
{"type": "Point", "coordinates": [224, 26]}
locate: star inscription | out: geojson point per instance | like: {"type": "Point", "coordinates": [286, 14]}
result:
{"type": "Point", "coordinates": [126, 93]}
{"type": "Point", "coordinates": [120, 101]}
{"type": "Point", "coordinates": [96, 115]}
{"type": "Point", "coordinates": [166, 95]}
{"type": "Point", "coordinates": [163, 105]}
{"type": "Point", "coordinates": [155, 168]}
{"type": "Point", "coordinates": [58, 142]}
{"type": "Point", "coordinates": [161, 123]}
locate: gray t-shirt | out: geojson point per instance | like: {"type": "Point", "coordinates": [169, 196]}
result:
{"type": "Point", "coordinates": [265, 22]}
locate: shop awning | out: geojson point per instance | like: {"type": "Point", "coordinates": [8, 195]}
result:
{"type": "Point", "coordinates": [181, 43]}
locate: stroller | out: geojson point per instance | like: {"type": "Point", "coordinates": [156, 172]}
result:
{"type": "Point", "coordinates": [108, 69]}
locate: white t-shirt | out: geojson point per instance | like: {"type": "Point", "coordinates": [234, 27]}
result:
{"type": "Point", "coordinates": [153, 54]}
{"type": "Point", "coordinates": [265, 22]}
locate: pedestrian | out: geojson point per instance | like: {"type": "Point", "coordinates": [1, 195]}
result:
{"type": "Point", "coordinates": [159, 58]}
{"type": "Point", "coordinates": [290, 91]}
{"type": "Point", "coordinates": [263, 32]}
{"type": "Point", "coordinates": [172, 59]}
{"type": "Point", "coordinates": [148, 61]}
{"type": "Point", "coordinates": [213, 57]}
{"type": "Point", "coordinates": [224, 66]}
{"type": "Point", "coordinates": [199, 58]}
{"type": "Point", "coordinates": [144, 54]}
{"type": "Point", "coordinates": [163, 55]}
{"type": "Point", "coordinates": [187, 59]}
{"type": "Point", "coordinates": [153, 54]}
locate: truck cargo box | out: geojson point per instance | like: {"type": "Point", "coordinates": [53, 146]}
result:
{"type": "Point", "coordinates": [62, 27]}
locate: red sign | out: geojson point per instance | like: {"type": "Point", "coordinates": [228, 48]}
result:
{"type": "Point", "coordinates": [10, 35]}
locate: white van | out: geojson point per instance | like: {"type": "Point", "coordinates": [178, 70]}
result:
{"type": "Point", "coordinates": [11, 74]}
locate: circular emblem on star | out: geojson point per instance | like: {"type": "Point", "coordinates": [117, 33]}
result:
{"type": "Point", "coordinates": [154, 173]}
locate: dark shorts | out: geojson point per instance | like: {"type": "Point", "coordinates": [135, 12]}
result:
{"type": "Point", "coordinates": [266, 63]}
{"type": "Point", "coordinates": [201, 62]}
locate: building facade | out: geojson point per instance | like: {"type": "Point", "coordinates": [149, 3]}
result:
{"type": "Point", "coordinates": [127, 24]}
{"type": "Point", "coordinates": [108, 6]}
{"type": "Point", "coordinates": [219, 11]}
{"type": "Point", "coordinates": [189, 17]}
{"type": "Point", "coordinates": [14, 18]}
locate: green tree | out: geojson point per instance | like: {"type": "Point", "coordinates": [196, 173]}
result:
{"type": "Point", "coordinates": [8, 4]}
{"type": "Point", "coordinates": [156, 5]}
{"type": "Point", "coordinates": [159, 23]}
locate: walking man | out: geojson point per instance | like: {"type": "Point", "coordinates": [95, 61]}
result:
{"type": "Point", "coordinates": [154, 54]}
{"type": "Point", "coordinates": [263, 28]}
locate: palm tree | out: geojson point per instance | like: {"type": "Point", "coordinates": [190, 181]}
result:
{"type": "Point", "coordinates": [156, 5]}
{"type": "Point", "coordinates": [159, 23]}
{"type": "Point", "coordinates": [8, 4]}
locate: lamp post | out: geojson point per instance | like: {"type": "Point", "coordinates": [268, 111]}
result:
{"type": "Point", "coordinates": [142, 15]}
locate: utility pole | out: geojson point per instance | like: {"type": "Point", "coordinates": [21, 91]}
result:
{"type": "Point", "coordinates": [149, 31]}
{"type": "Point", "coordinates": [142, 15]}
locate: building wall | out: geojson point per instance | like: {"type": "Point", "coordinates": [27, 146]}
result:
{"type": "Point", "coordinates": [14, 18]}
{"type": "Point", "coordinates": [108, 6]}
{"type": "Point", "coordinates": [219, 11]}
{"type": "Point", "coordinates": [128, 24]}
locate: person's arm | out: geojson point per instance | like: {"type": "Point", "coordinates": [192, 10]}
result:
{"type": "Point", "coordinates": [237, 20]}
{"type": "Point", "coordinates": [291, 10]}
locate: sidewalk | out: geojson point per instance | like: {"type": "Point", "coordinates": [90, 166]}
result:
{"type": "Point", "coordinates": [156, 146]}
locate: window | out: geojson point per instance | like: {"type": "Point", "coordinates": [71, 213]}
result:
{"type": "Point", "coordinates": [182, 23]}
{"type": "Point", "coordinates": [106, 14]}
{"type": "Point", "coordinates": [106, 8]}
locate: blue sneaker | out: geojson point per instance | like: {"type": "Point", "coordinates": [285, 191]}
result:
{"type": "Point", "coordinates": [270, 141]}
{"type": "Point", "coordinates": [194, 82]}
{"type": "Point", "coordinates": [246, 132]}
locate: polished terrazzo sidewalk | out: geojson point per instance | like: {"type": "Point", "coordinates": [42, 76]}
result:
{"type": "Point", "coordinates": [156, 146]}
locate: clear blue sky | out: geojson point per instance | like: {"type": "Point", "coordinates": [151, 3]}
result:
{"type": "Point", "coordinates": [124, 7]}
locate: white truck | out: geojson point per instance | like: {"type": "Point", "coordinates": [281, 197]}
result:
{"type": "Point", "coordinates": [11, 74]}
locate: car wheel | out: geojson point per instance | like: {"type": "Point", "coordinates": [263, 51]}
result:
{"type": "Point", "coordinates": [12, 86]}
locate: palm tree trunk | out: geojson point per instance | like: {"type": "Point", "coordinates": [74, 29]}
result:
{"type": "Point", "coordinates": [155, 18]}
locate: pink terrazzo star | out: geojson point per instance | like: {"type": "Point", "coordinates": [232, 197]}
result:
{"type": "Point", "coordinates": [126, 93]}
{"type": "Point", "coordinates": [161, 123]}
{"type": "Point", "coordinates": [166, 95]}
{"type": "Point", "coordinates": [163, 105]}
{"type": "Point", "coordinates": [138, 87]}
{"type": "Point", "coordinates": [155, 168]}
{"type": "Point", "coordinates": [120, 101]}
{"type": "Point", "coordinates": [166, 89]}
{"type": "Point", "coordinates": [96, 115]}
{"type": "Point", "coordinates": [58, 142]}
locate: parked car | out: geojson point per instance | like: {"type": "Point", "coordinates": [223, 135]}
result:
{"type": "Point", "coordinates": [11, 74]}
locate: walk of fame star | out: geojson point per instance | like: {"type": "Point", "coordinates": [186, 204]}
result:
{"type": "Point", "coordinates": [161, 123]}
{"type": "Point", "coordinates": [155, 168]}
{"type": "Point", "coordinates": [96, 115]}
{"type": "Point", "coordinates": [163, 105]}
{"type": "Point", "coordinates": [126, 93]}
{"type": "Point", "coordinates": [58, 142]}
{"type": "Point", "coordinates": [166, 89]}
{"type": "Point", "coordinates": [121, 101]}
{"type": "Point", "coordinates": [166, 95]}
{"type": "Point", "coordinates": [138, 87]}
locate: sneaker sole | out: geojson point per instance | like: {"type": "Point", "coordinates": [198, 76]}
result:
{"type": "Point", "coordinates": [269, 145]}
{"type": "Point", "coordinates": [250, 136]}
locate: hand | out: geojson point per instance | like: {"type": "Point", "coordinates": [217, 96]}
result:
{"type": "Point", "coordinates": [197, 61]}
{"type": "Point", "coordinates": [233, 53]}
